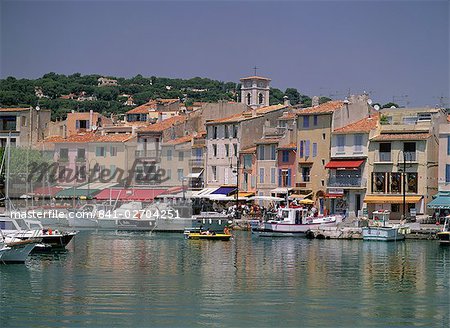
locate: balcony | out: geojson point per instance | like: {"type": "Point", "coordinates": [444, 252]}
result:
{"type": "Point", "coordinates": [196, 162]}
{"type": "Point", "coordinates": [80, 159]}
{"type": "Point", "coordinates": [409, 156]}
{"type": "Point", "coordinates": [383, 157]}
{"type": "Point", "coordinates": [148, 154]}
{"type": "Point", "coordinates": [346, 182]}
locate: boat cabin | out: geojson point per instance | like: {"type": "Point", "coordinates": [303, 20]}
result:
{"type": "Point", "coordinates": [292, 215]}
{"type": "Point", "coordinates": [381, 218]}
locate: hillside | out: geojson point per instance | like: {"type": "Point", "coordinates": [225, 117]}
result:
{"type": "Point", "coordinates": [78, 92]}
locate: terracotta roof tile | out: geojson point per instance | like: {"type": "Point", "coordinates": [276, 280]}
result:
{"type": "Point", "coordinates": [362, 126]}
{"type": "Point", "coordinates": [288, 146]}
{"type": "Point", "coordinates": [144, 109]}
{"type": "Point", "coordinates": [165, 124]}
{"type": "Point", "coordinates": [178, 140]}
{"type": "Point", "coordinates": [14, 109]}
{"type": "Point", "coordinates": [249, 150]}
{"type": "Point", "coordinates": [90, 137]}
{"type": "Point", "coordinates": [247, 115]}
{"type": "Point", "coordinates": [401, 136]}
{"type": "Point", "coordinates": [267, 141]}
{"type": "Point", "coordinates": [326, 108]}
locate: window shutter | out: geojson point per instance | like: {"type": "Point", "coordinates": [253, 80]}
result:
{"type": "Point", "coordinates": [77, 124]}
{"type": "Point", "coordinates": [279, 177]}
{"type": "Point", "coordinates": [447, 173]}
{"type": "Point", "coordinates": [307, 148]}
{"type": "Point", "coordinates": [289, 178]}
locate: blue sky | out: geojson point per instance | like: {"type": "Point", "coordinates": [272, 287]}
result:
{"type": "Point", "coordinates": [388, 48]}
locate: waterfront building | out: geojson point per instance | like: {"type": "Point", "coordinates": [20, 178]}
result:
{"type": "Point", "coordinates": [228, 135]}
{"type": "Point", "coordinates": [347, 168]}
{"type": "Point", "coordinates": [314, 126]}
{"type": "Point", "coordinates": [25, 126]}
{"type": "Point", "coordinates": [175, 161]}
{"type": "Point", "coordinates": [403, 161]}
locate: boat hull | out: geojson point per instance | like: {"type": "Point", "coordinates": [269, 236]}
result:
{"type": "Point", "coordinates": [16, 253]}
{"type": "Point", "coordinates": [198, 236]}
{"type": "Point", "coordinates": [382, 234]}
{"type": "Point", "coordinates": [75, 222]}
{"type": "Point", "coordinates": [287, 230]}
{"type": "Point", "coordinates": [444, 237]}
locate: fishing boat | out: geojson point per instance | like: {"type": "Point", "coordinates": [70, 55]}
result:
{"type": "Point", "coordinates": [444, 235]}
{"type": "Point", "coordinates": [198, 234]}
{"type": "Point", "coordinates": [381, 230]}
{"type": "Point", "coordinates": [294, 222]}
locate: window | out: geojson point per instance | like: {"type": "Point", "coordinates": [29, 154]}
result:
{"type": "Point", "coordinates": [306, 121]}
{"type": "Point", "coordinates": [198, 153]}
{"type": "Point", "coordinates": [411, 180]}
{"type": "Point", "coordinates": [395, 208]}
{"type": "Point", "coordinates": [395, 183]}
{"type": "Point", "coordinates": [447, 173]}
{"type": "Point", "coordinates": [81, 154]}
{"type": "Point", "coordinates": [247, 162]}
{"type": "Point", "coordinates": [341, 143]}
{"type": "Point", "coordinates": [215, 150]}
{"type": "Point", "coordinates": [272, 175]}
{"type": "Point", "coordinates": [409, 149]}
{"type": "Point", "coordinates": [181, 156]}
{"type": "Point", "coordinates": [100, 152]}
{"type": "Point", "coordinates": [284, 178]}
{"type": "Point", "coordinates": [169, 173]}
{"type": "Point", "coordinates": [314, 149]}
{"type": "Point", "coordinates": [261, 98]}
{"type": "Point", "coordinates": [261, 152]}
{"type": "Point", "coordinates": [235, 131]}
{"type": "Point", "coordinates": [307, 143]}
{"type": "Point", "coordinates": [214, 132]}
{"type": "Point", "coordinates": [358, 142]}
{"type": "Point", "coordinates": [113, 169]}
{"type": "Point", "coordinates": [169, 154]}
{"type": "Point", "coordinates": [214, 172]}
{"type": "Point", "coordinates": [24, 121]}
{"type": "Point", "coordinates": [273, 152]}
{"type": "Point", "coordinates": [64, 154]}
{"type": "Point", "coordinates": [180, 174]}
{"type": "Point", "coordinates": [306, 171]}
{"type": "Point", "coordinates": [227, 150]}
{"type": "Point", "coordinates": [227, 134]}
{"type": "Point", "coordinates": [235, 149]}
{"type": "Point", "coordinates": [378, 182]}
{"type": "Point", "coordinates": [261, 175]}
{"type": "Point", "coordinates": [113, 151]}
{"type": "Point", "coordinates": [385, 152]}
{"type": "Point", "coordinates": [448, 145]}
{"type": "Point", "coordinates": [424, 117]}
{"type": "Point", "coordinates": [249, 98]}
{"type": "Point", "coordinates": [301, 149]}
{"type": "Point", "coordinates": [285, 157]}
{"type": "Point", "coordinates": [315, 120]}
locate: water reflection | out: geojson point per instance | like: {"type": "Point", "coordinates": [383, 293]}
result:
{"type": "Point", "coordinates": [144, 279]}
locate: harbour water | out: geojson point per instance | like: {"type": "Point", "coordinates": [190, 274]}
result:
{"type": "Point", "coordinates": [142, 279]}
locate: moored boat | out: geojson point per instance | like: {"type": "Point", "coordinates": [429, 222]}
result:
{"type": "Point", "coordinates": [293, 222]}
{"type": "Point", "coordinates": [16, 251]}
{"type": "Point", "coordinates": [381, 230]}
{"type": "Point", "coordinates": [444, 235]}
{"type": "Point", "coordinates": [200, 234]}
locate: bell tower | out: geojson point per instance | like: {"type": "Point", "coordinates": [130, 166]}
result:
{"type": "Point", "coordinates": [255, 91]}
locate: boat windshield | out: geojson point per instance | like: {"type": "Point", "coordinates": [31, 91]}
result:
{"type": "Point", "coordinates": [21, 223]}
{"type": "Point", "coordinates": [447, 225]}
{"type": "Point", "coordinates": [284, 214]}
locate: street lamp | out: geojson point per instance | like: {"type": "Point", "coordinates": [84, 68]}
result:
{"type": "Point", "coordinates": [237, 214]}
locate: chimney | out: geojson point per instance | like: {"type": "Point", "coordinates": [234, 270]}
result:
{"type": "Point", "coordinates": [160, 117]}
{"type": "Point", "coordinates": [286, 102]}
{"type": "Point", "coordinates": [133, 130]}
{"type": "Point", "coordinates": [91, 115]}
{"type": "Point", "coordinates": [64, 131]}
{"type": "Point", "coordinates": [315, 101]}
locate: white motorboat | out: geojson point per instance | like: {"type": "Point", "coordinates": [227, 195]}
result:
{"type": "Point", "coordinates": [444, 235]}
{"type": "Point", "coordinates": [294, 222]}
{"type": "Point", "coordinates": [23, 229]}
{"type": "Point", "coordinates": [381, 230]}
{"type": "Point", "coordinates": [16, 251]}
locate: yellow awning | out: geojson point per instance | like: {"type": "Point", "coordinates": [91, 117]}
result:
{"type": "Point", "coordinates": [391, 199]}
{"type": "Point", "coordinates": [244, 194]}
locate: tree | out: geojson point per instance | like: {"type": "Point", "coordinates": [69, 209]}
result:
{"type": "Point", "coordinates": [276, 96]}
{"type": "Point", "coordinates": [293, 95]}
{"type": "Point", "coordinates": [390, 104]}
{"type": "Point", "coordinates": [323, 100]}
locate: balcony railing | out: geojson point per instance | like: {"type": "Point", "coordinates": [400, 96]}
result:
{"type": "Point", "coordinates": [383, 157]}
{"type": "Point", "coordinates": [153, 154]}
{"type": "Point", "coordinates": [337, 181]}
{"type": "Point", "coordinates": [80, 159]}
{"type": "Point", "coordinates": [196, 162]}
{"type": "Point", "coordinates": [409, 156]}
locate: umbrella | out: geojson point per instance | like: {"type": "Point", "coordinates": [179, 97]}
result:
{"type": "Point", "coordinates": [271, 198]}
{"type": "Point", "coordinates": [306, 201]}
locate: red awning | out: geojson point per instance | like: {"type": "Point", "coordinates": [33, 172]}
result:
{"type": "Point", "coordinates": [129, 194]}
{"type": "Point", "coordinates": [334, 195]}
{"type": "Point", "coordinates": [344, 164]}
{"type": "Point", "coordinates": [47, 191]}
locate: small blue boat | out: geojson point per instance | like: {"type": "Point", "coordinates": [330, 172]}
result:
{"type": "Point", "coordinates": [380, 230]}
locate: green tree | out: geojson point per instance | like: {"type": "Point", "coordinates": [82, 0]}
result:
{"type": "Point", "coordinates": [323, 100]}
{"type": "Point", "coordinates": [390, 104]}
{"type": "Point", "coordinates": [293, 95]}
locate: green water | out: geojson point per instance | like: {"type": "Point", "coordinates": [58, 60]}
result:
{"type": "Point", "coordinates": [138, 279]}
